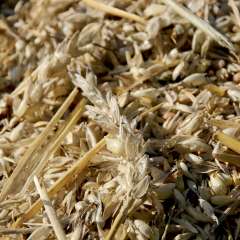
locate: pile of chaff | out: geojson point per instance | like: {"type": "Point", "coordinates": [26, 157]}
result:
{"type": "Point", "coordinates": [120, 119]}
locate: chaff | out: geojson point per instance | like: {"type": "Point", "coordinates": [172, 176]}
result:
{"type": "Point", "coordinates": [50, 210]}
{"type": "Point", "coordinates": [68, 178]}
{"type": "Point", "coordinates": [201, 24]}
{"type": "Point", "coordinates": [58, 138]}
{"type": "Point", "coordinates": [10, 185]}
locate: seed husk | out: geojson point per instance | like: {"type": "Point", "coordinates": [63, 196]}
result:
{"type": "Point", "coordinates": [126, 112]}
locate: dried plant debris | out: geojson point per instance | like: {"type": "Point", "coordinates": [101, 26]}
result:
{"type": "Point", "coordinates": [120, 119]}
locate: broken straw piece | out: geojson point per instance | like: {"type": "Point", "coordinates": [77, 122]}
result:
{"type": "Point", "coordinates": [233, 159]}
{"type": "Point", "coordinates": [10, 185]}
{"type": "Point", "coordinates": [120, 218]}
{"type": "Point", "coordinates": [66, 179]}
{"type": "Point", "coordinates": [113, 11]}
{"type": "Point", "coordinates": [57, 139]}
{"type": "Point", "coordinates": [215, 89]}
{"type": "Point", "coordinates": [150, 110]}
{"type": "Point", "coordinates": [50, 211]}
{"type": "Point", "coordinates": [228, 141]}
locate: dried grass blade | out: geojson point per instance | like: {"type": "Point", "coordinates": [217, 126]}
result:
{"type": "Point", "coordinates": [120, 218]}
{"type": "Point", "coordinates": [215, 89]}
{"type": "Point", "coordinates": [20, 88]}
{"type": "Point", "coordinates": [68, 178]}
{"type": "Point", "coordinates": [59, 136]}
{"type": "Point", "coordinates": [50, 211]}
{"type": "Point", "coordinates": [8, 231]}
{"type": "Point", "coordinates": [113, 11]}
{"type": "Point", "coordinates": [229, 158]}
{"type": "Point", "coordinates": [228, 141]}
{"type": "Point", "coordinates": [201, 24]}
{"type": "Point", "coordinates": [150, 110]}
{"type": "Point", "coordinates": [164, 236]}
{"type": "Point", "coordinates": [10, 184]}
{"type": "Point", "coordinates": [224, 123]}
{"type": "Point", "coordinates": [4, 26]}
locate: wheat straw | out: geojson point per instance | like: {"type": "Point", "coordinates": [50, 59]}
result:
{"type": "Point", "coordinates": [58, 137]}
{"type": "Point", "coordinates": [10, 184]}
{"type": "Point", "coordinates": [201, 24]}
{"type": "Point", "coordinates": [229, 141]}
{"type": "Point", "coordinates": [68, 178]}
{"type": "Point", "coordinates": [113, 11]}
{"type": "Point", "coordinates": [50, 211]}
